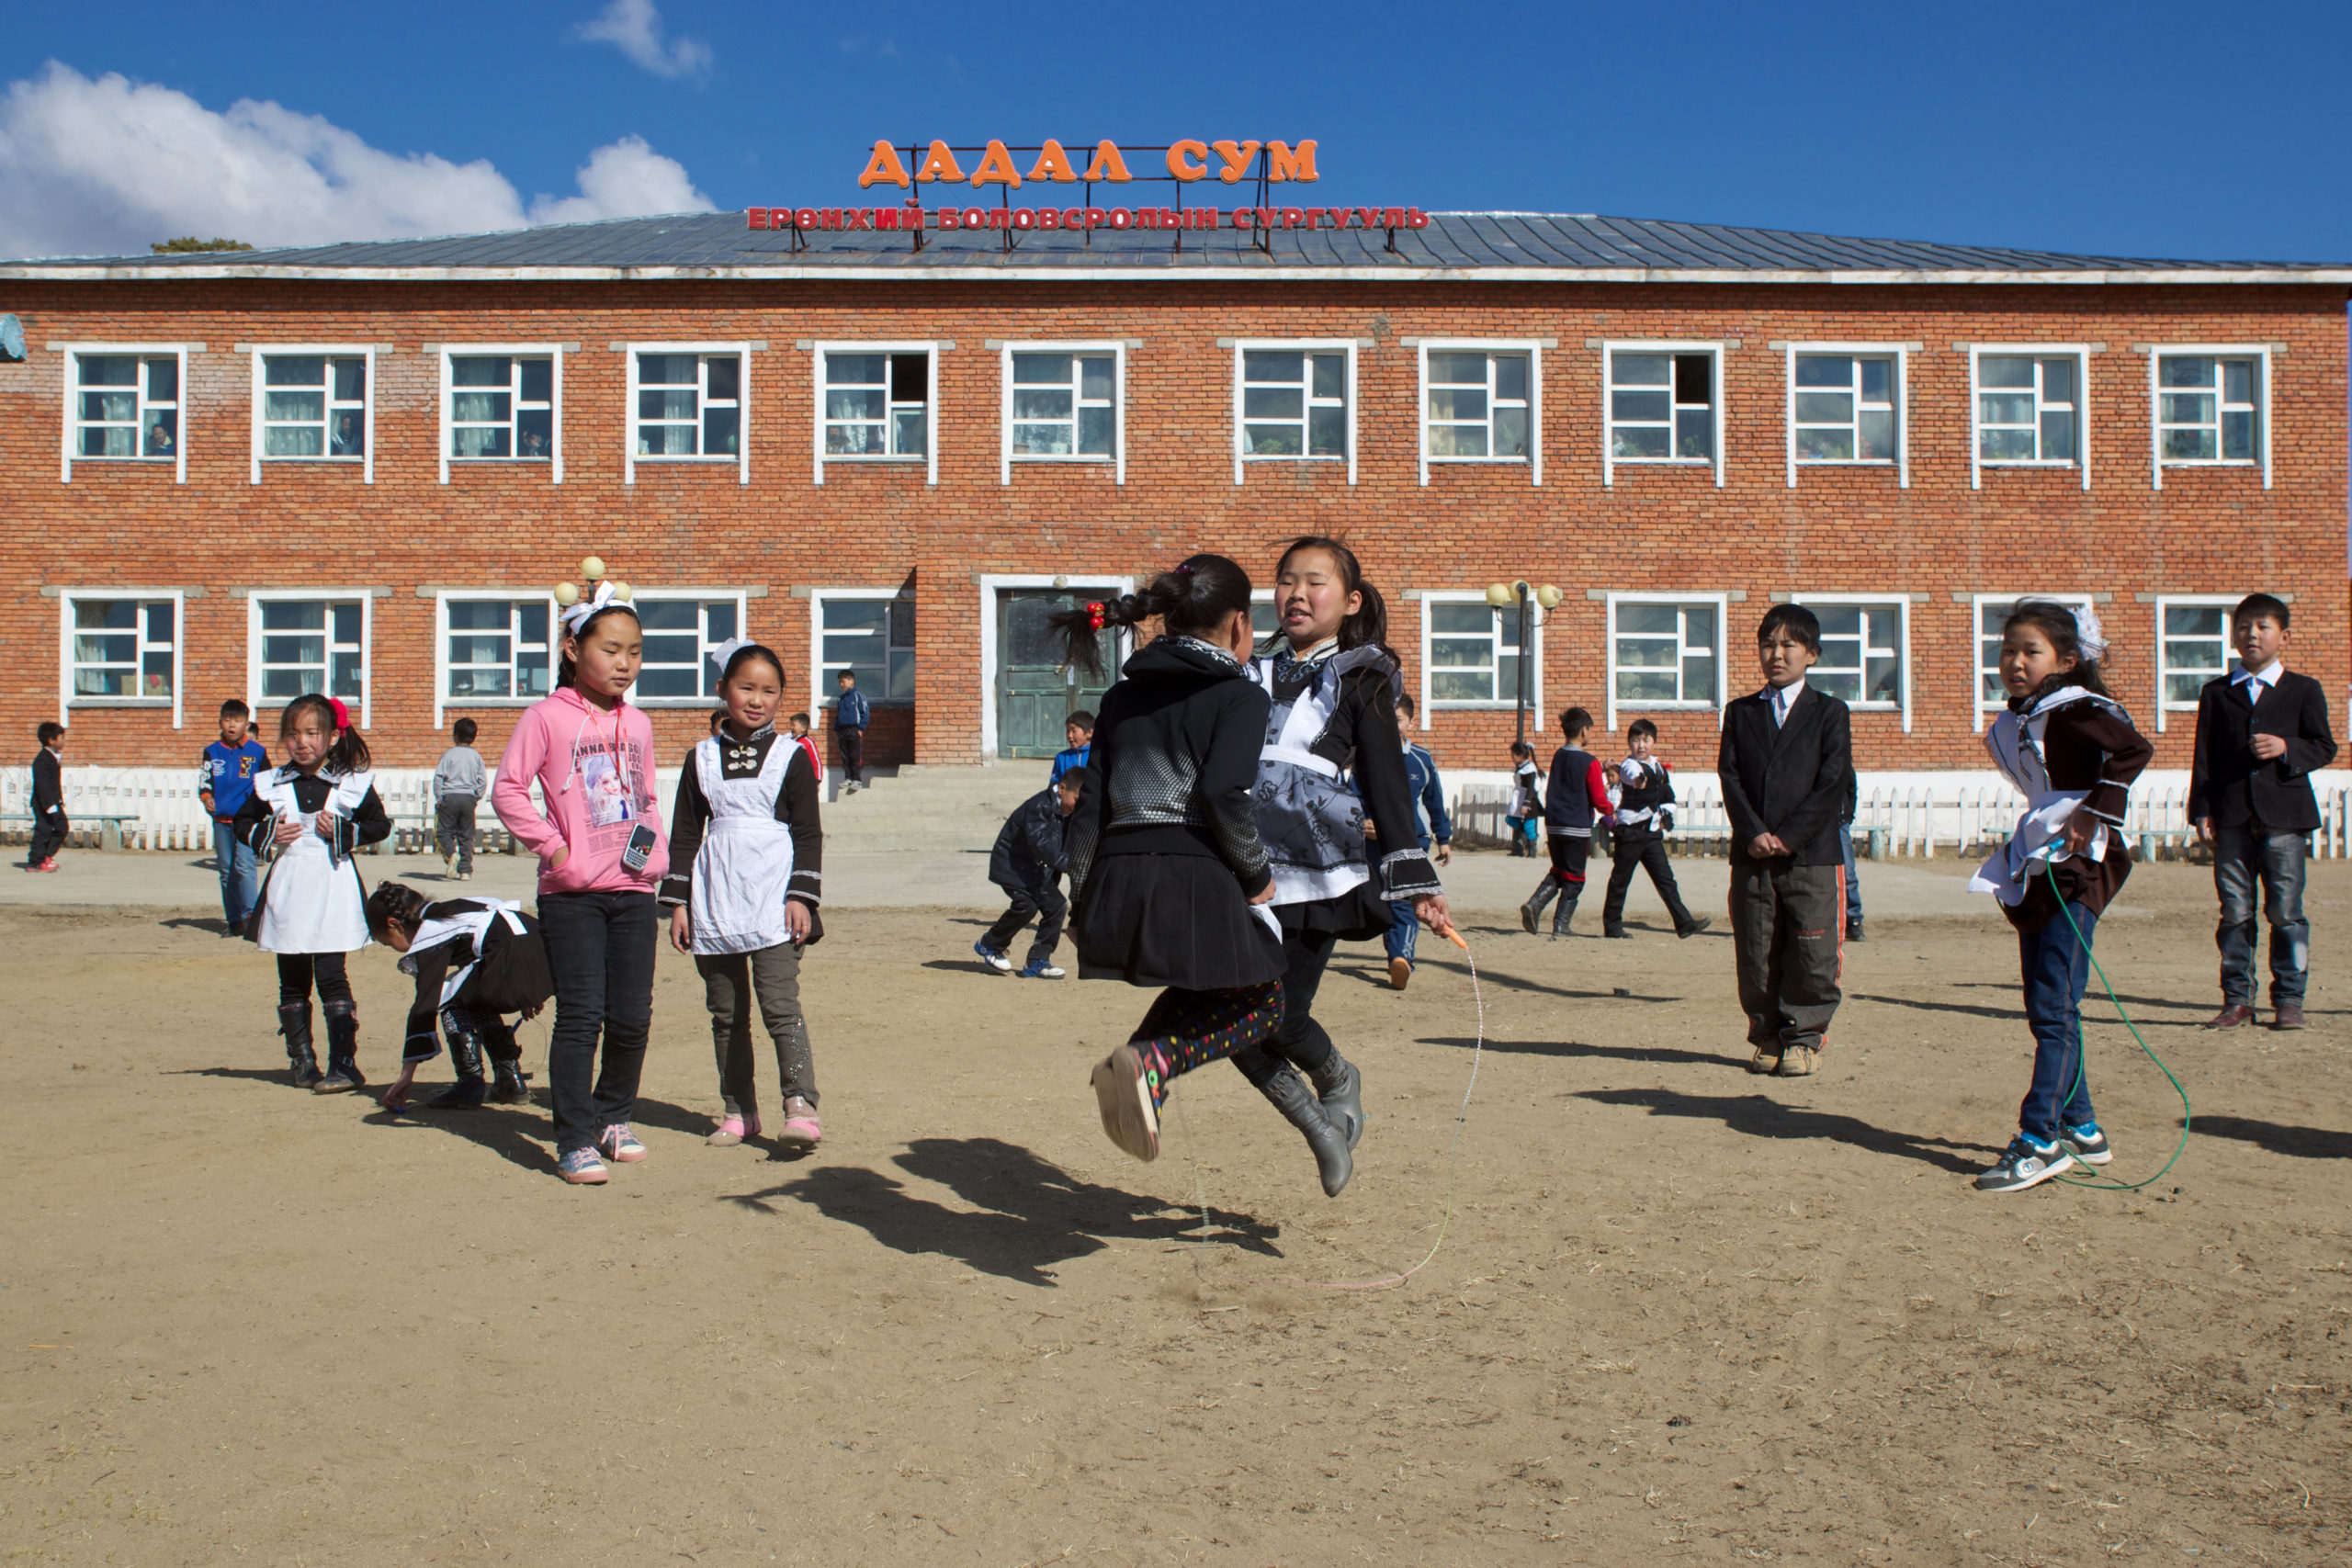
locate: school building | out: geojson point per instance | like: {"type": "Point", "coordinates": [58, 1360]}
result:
{"type": "Point", "coordinates": [891, 439]}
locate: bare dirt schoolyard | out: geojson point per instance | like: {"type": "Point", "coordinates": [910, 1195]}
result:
{"type": "Point", "coordinates": [1681, 1314]}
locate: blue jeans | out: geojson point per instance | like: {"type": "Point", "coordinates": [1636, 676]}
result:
{"type": "Point", "coordinates": [1402, 927]}
{"type": "Point", "coordinates": [1853, 883]}
{"type": "Point", "coordinates": [2056, 969]}
{"type": "Point", "coordinates": [239, 875]}
{"type": "Point", "coordinates": [2244, 857]}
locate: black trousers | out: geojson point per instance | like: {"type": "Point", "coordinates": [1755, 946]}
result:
{"type": "Point", "coordinates": [601, 947]}
{"type": "Point", "coordinates": [853, 745]}
{"type": "Point", "coordinates": [1299, 1040]}
{"type": "Point", "coordinates": [298, 971]}
{"type": "Point", "coordinates": [1638, 851]}
{"type": "Point", "coordinates": [49, 837]}
{"type": "Point", "coordinates": [1788, 928]}
{"type": "Point", "coordinates": [1050, 908]}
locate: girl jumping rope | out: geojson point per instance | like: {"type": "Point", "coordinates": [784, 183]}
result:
{"type": "Point", "coordinates": [601, 853]}
{"type": "Point", "coordinates": [307, 818]}
{"type": "Point", "coordinates": [2072, 751]}
{"type": "Point", "coordinates": [1333, 767]}
{"type": "Point", "coordinates": [745, 833]}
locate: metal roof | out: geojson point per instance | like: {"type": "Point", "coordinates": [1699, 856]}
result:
{"type": "Point", "coordinates": [1487, 246]}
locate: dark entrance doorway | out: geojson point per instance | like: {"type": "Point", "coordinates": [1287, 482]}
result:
{"type": "Point", "coordinates": [1035, 691]}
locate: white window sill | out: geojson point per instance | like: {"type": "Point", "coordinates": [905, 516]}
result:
{"type": "Point", "coordinates": [647, 461]}
{"type": "Point", "coordinates": [1840, 462]}
{"type": "Point", "coordinates": [915, 461]}
{"type": "Point", "coordinates": [2019, 463]}
{"type": "Point", "coordinates": [1662, 462]}
{"type": "Point", "coordinates": [1477, 704]}
{"type": "Point", "coordinates": [1330, 457]}
{"type": "Point", "coordinates": [652, 703]}
{"type": "Point", "coordinates": [79, 459]}
{"type": "Point", "coordinates": [491, 701]}
{"type": "Point", "coordinates": [319, 460]}
{"type": "Point", "coordinates": [457, 462]}
{"type": "Point", "coordinates": [2212, 463]}
{"type": "Point", "coordinates": [1654, 706]}
{"type": "Point", "coordinates": [1434, 462]}
{"type": "Point", "coordinates": [117, 701]}
{"type": "Point", "coordinates": [1049, 458]}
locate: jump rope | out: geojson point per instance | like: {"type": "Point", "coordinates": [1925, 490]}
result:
{"type": "Point", "coordinates": [2187, 1111]}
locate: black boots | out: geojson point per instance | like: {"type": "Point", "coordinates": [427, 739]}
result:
{"type": "Point", "coordinates": [505, 1064]}
{"type": "Point", "coordinates": [1532, 911]}
{"type": "Point", "coordinates": [465, 1055]}
{"type": "Point", "coordinates": [1340, 1089]}
{"type": "Point", "coordinates": [294, 1022]}
{"type": "Point", "coordinates": [343, 1050]}
{"type": "Point", "coordinates": [1299, 1107]}
{"type": "Point", "coordinates": [1562, 916]}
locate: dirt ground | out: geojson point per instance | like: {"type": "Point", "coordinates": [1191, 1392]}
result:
{"type": "Point", "coordinates": [1681, 1313]}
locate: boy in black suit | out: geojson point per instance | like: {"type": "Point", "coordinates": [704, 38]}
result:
{"type": "Point", "coordinates": [2260, 731]}
{"type": "Point", "coordinates": [1786, 763]}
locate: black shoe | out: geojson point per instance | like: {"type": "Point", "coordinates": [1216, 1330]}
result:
{"type": "Point", "coordinates": [294, 1022]}
{"type": "Point", "coordinates": [465, 1055]}
{"type": "Point", "coordinates": [1527, 913]}
{"type": "Point", "coordinates": [1853, 930]}
{"type": "Point", "coordinates": [1291, 1096]}
{"type": "Point", "coordinates": [343, 1052]}
{"type": "Point", "coordinates": [460, 1095]}
{"type": "Point", "coordinates": [1340, 1089]}
{"type": "Point", "coordinates": [1617, 933]}
{"type": "Point", "coordinates": [1694, 928]}
{"type": "Point", "coordinates": [510, 1089]}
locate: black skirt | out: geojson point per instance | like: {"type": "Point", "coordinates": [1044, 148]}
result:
{"type": "Point", "coordinates": [1153, 920]}
{"type": "Point", "coordinates": [1358, 915]}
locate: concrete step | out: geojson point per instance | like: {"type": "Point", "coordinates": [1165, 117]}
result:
{"type": "Point", "coordinates": [932, 809]}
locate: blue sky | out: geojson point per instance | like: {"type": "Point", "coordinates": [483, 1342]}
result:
{"type": "Point", "coordinates": [2158, 129]}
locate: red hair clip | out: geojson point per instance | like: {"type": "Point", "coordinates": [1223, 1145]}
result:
{"type": "Point", "coordinates": [342, 714]}
{"type": "Point", "coordinates": [1094, 616]}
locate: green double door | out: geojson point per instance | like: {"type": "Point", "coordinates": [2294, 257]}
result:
{"type": "Point", "coordinates": [1035, 691]}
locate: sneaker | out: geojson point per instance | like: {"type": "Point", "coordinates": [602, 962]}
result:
{"type": "Point", "coordinates": [2086, 1143]}
{"type": "Point", "coordinates": [801, 1131]}
{"type": "Point", "coordinates": [1041, 970]}
{"type": "Point", "coordinates": [993, 957]}
{"type": "Point", "coordinates": [2026, 1164]}
{"type": "Point", "coordinates": [582, 1168]}
{"type": "Point", "coordinates": [1125, 1092]}
{"type": "Point", "coordinates": [1400, 972]}
{"type": "Point", "coordinates": [449, 868]}
{"type": "Point", "coordinates": [1766, 1060]}
{"type": "Point", "coordinates": [1853, 930]}
{"type": "Point", "coordinates": [621, 1143]}
{"type": "Point", "coordinates": [1797, 1062]}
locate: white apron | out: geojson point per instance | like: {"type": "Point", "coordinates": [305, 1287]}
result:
{"type": "Point", "coordinates": [1308, 813]}
{"type": "Point", "coordinates": [313, 900]}
{"type": "Point", "coordinates": [745, 863]}
{"type": "Point", "coordinates": [472, 925]}
{"type": "Point", "coordinates": [2014, 742]}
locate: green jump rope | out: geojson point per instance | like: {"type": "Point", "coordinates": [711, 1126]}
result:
{"type": "Point", "coordinates": [2187, 1111]}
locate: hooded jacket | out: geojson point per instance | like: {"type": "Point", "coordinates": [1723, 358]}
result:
{"type": "Point", "coordinates": [595, 775]}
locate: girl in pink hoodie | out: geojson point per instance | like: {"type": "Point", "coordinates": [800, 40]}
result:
{"type": "Point", "coordinates": [601, 853]}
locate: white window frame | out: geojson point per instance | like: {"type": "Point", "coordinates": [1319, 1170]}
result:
{"type": "Point", "coordinates": [932, 348]}
{"type": "Point", "coordinates": [1266, 596]}
{"type": "Point", "coordinates": [741, 461]}
{"type": "Point", "coordinates": [257, 597]}
{"type": "Point", "coordinates": [2081, 355]}
{"type": "Point", "coordinates": [1986, 710]}
{"type": "Point", "coordinates": [366, 459]}
{"type": "Point", "coordinates": [554, 353]}
{"type": "Point", "coordinates": [442, 701]}
{"type": "Point", "coordinates": [67, 700]}
{"type": "Point", "coordinates": [1243, 347]}
{"type": "Point", "coordinates": [2225, 603]}
{"type": "Point", "coordinates": [1721, 601]}
{"type": "Point", "coordinates": [1608, 352]}
{"type": "Point", "coordinates": [824, 689]}
{"type": "Point", "coordinates": [1902, 601]}
{"type": "Point", "coordinates": [1533, 349]}
{"type": "Point", "coordinates": [697, 597]}
{"type": "Point", "coordinates": [2157, 461]}
{"type": "Point", "coordinates": [1117, 349]}
{"type": "Point", "coordinates": [1901, 354]}
{"type": "Point", "coordinates": [990, 583]}
{"type": "Point", "coordinates": [75, 354]}
{"type": "Point", "coordinates": [1505, 703]}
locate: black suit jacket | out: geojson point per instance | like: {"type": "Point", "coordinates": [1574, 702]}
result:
{"type": "Point", "coordinates": [1790, 780]}
{"type": "Point", "coordinates": [2228, 784]}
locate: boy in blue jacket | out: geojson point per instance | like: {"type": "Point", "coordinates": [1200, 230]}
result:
{"type": "Point", "coordinates": [1429, 821]}
{"type": "Point", "coordinates": [224, 781]}
{"type": "Point", "coordinates": [851, 713]}
{"type": "Point", "coordinates": [1027, 862]}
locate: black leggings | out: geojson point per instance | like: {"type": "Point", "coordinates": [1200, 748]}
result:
{"type": "Point", "coordinates": [296, 970]}
{"type": "Point", "coordinates": [1300, 1040]}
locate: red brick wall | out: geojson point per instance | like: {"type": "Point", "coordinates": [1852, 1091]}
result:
{"type": "Point", "coordinates": [2208, 531]}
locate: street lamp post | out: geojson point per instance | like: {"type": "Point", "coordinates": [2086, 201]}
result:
{"type": "Point", "coordinates": [1526, 595]}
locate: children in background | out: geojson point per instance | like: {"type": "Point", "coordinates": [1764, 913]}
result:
{"type": "Point", "coordinates": [797, 730]}
{"type": "Point", "coordinates": [747, 858]}
{"type": "Point", "coordinates": [1078, 731]}
{"type": "Point", "coordinates": [600, 853]}
{"type": "Point", "coordinates": [49, 798]}
{"type": "Point", "coordinates": [1576, 796]}
{"type": "Point", "coordinates": [1785, 761]}
{"type": "Point", "coordinates": [1167, 876]}
{"type": "Point", "coordinates": [459, 780]}
{"type": "Point", "coordinates": [1332, 767]}
{"type": "Point", "coordinates": [1430, 823]}
{"type": "Point", "coordinates": [1027, 862]}
{"type": "Point", "coordinates": [1526, 799]}
{"type": "Point", "coordinates": [2261, 729]}
{"type": "Point", "coordinates": [2073, 752]}
{"type": "Point", "coordinates": [308, 817]}
{"type": "Point", "coordinates": [224, 781]}
{"type": "Point", "coordinates": [474, 961]}
{"type": "Point", "coordinates": [1644, 816]}
{"type": "Point", "coordinates": [852, 714]}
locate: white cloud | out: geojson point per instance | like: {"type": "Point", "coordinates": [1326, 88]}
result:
{"type": "Point", "coordinates": [634, 27]}
{"type": "Point", "coordinates": [103, 167]}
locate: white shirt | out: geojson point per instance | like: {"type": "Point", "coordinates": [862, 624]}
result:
{"type": "Point", "coordinates": [2257, 682]}
{"type": "Point", "coordinates": [1782, 699]}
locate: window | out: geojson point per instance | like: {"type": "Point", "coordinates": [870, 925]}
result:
{"type": "Point", "coordinates": [1264, 621]}
{"type": "Point", "coordinates": [679, 637]}
{"type": "Point", "coordinates": [1470, 653]}
{"type": "Point", "coordinates": [875, 404]}
{"type": "Point", "coordinates": [870, 632]}
{"type": "Point", "coordinates": [494, 651]}
{"type": "Point", "coordinates": [124, 403]}
{"type": "Point", "coordinates": [501, 405]}
{"type": "Point", "coordinates": [2193, 647]}
{"type": "Point", "coordinates": [1294, 402]}
{"type": "Point", "coordinates": [2029, 405]}
{"type": "Point", "coordinates": [2209, 408]}
{"type": "Point", "coordinates": [1662, 405]}
{"type": "Point", "coordinates": [687, 403]}
{"type": "Point", "coordinates": [314, 405]}
{"type": "Point", "coordinates": [1991, 610]}
{"type": "Point", "coordinates": [124, 651]}
{"type": "Point", "coordinates": [1844, 407]}
{"type": "Point", "coordinates": [1478, 405]}
{"type": "Point", "coordinates": [303, 644]}
{"type": "Point", "coordinates": [1063, 404]}
{"type": "Point", "coordinates": [1664, 653]}
{"type": "Point", "coordinates": [1864, 644]}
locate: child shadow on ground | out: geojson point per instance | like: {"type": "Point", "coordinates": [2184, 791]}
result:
{"type": "Point", "coordinates": [211, 927]}
{"type": "Point", "coordinates": [1032, 1213]}
{"type": "Point", "coordinates": [2300, 1143]}
{"type": "Point", "coordinates": [1660, 1054]}
{"type": "Point", "coordinates": [1761, 1118]}
{"type": "Point", "coordinates": [1429, 958]}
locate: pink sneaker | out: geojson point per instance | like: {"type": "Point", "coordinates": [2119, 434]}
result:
{"type": "Point", "coordinates": [619, 1145]}
{"type": "Point", "coordinates": [733, 1130]}
{"type": "Point", "coordinates": [802, 1131]}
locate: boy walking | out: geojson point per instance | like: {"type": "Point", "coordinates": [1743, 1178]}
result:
{"type": "Point", "coordinates": [459, 780]}
{"type": "Point", "coordinates": [1428, 819]}
{"type": "Point", "coordinates": [1786, 762]}
{"type": "Point", "coordinates": [851, 713]}
{"type": "Point", "coordinates": [1079, 730]}
{"type": "Point", "coordinates": [49, 798]}
{"type": "Point", "coordinates": [1576, 796]}
{"type": "Point", "coordinates": [1644, 816]}
{"type": "Point", "coordinates": [1027, 862]}
{"type": "Point", "coordinates": [224, 781]}
{"type": "Point", "coordinates": [2260, 731]}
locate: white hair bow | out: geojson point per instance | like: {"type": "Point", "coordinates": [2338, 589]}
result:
{"type": "Point", "coordinates": [2090, 637]}
{"type": "Point", "coordinates": [727, 650]}
{"type": "Point", "coordinates": [609, 595]}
